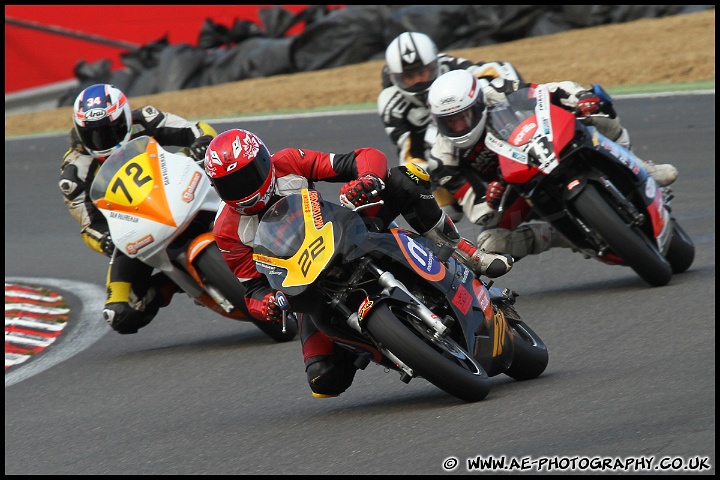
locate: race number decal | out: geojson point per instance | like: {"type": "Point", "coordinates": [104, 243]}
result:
{"type": "Point", "coordinates": [316, 250]}
{"type": "Point", "coordinates": [462, 300]}
{"type": "Point", "coordinates": [132, 183]}
{"type": "Point", "coordinates": [138, 187]}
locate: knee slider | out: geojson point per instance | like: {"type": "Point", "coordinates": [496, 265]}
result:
{"type": "Point", "coordinates": [329, 377]}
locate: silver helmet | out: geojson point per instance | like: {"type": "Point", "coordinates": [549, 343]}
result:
{"type": "Point", "coordinates": [412, 62]}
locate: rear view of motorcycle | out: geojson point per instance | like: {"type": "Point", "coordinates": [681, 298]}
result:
{"type": "Point", "coordinates": [160, 207]}
{"type": "Point", "coordinates": [394, 299]}
{"type": "Point", "coordinates": [597, 193]}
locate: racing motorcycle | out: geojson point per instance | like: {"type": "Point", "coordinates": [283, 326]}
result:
{"type": "Point", "coordinates": [393, 298]}
{"type": "Point", "coordinates": [597, 193]}
{"type": "Point", "coordinates": [160, 207]}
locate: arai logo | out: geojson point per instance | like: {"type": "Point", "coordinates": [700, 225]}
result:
{"type": "Point", "coordinates": [95, 114]}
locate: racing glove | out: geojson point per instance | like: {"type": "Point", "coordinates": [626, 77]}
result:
{"type": "Point", "coordinates": [271, 310]}
{"type": "Point", "coordinates": [362, 191]}
{"type": "Point", "coordinates": [107, 245]}
{"type": "Point", "coordinates": [494, 194]}
{"type": "Point", "coordinates": [199, 146]}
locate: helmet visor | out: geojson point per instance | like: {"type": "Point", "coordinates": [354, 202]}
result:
{"type": "Point", "coordinates": [246, 182]}
{"type": "Point", "coordinates": [416, 80]}
{"type": "Point", "coordinates": [461, 123]}
{"type": "Point", "coordinates": [103, 134]}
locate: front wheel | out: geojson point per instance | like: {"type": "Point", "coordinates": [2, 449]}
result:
{"type": "Point", "coordinates": [441, 361]}
{"type": "Point", "coordinates": [530, 355]}
{"type": "Point", "coordinates": [681, 252]}
{"type": "Point", "coordinates": [629, 243]}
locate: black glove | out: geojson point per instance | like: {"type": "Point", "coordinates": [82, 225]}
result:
{"type": "Point", "coordinates": [199, 146]}
{"type": "Point", "coordinates": [273, 312]}
{"type": "Point", "coordinates": [107, 245]}
{"type": "Point", "coordinates": [362, 191]}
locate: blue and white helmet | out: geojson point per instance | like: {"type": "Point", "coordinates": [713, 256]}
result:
{"type": "Point", "coordinates": [103, 119]}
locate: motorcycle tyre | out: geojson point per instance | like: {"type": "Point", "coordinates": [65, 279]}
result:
{"type": "Point", "coordinates": [530, 357]}
{"type": "Point", "coordinates": [409, 346]}
{"type": "Point", "coordinates": [215, 272]}
{"type": "Point", "coordinates": [681, 252]}
{"type": "Point", "coordinates": [628, 243]}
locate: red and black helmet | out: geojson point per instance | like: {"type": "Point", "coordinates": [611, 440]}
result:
{"type": "Point", "coordinates": [241, 169]}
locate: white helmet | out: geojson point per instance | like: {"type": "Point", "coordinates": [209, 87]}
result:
{"type": "Point", "coordinates": [103, 119]}
{"type": "Point", "coordinates": [457, 105]}
{"type": "Point", "coordinates": [410, 53]}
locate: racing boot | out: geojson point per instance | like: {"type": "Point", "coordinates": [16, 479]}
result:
{"type": "Point", "coordinates": [124, 319]}
{"type": "Point", "coordinates": [664, 174]}
{"type": "Point", "coordinates": [491, 265]}
{"type": "Point", "coordinates": [126, 312]}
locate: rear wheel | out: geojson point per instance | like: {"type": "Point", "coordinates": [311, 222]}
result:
{"type": "Point", "coordinates": [629, 243]}
{"type": "Point", "coordinates": [214, 271]}
{"type": "Point", "coordinates": [681, 252]}
{"type": "Point", "coordinates": [441, 361]}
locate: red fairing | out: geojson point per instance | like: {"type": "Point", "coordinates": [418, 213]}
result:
{"type": "Point", "coordinates": [563, 127]}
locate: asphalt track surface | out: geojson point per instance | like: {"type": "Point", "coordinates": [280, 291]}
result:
{"type": "Point", "coordinates": [631, 374]}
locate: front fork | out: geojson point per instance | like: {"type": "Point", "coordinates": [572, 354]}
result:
{"type": "Point", "coordinates": [397, 290]}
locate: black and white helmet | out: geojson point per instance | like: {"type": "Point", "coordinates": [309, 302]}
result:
{"type": "Point", "coordinates": [408, 55]}
{"type": "Point", "coordinates": [457, 105]}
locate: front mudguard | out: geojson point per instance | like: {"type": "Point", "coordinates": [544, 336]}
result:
{"type": "Point", "coordinates": [197, 245]}
{"type": "Point", "coordinates": [222, 293]}
{"type": "Point", "coordinates": [493, 343]}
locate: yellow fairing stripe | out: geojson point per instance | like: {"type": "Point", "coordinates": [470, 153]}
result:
{"type": "Point", "coordinates": [318, 247]}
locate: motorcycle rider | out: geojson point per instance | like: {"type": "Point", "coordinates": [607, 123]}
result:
{"type": "Point", "coordinates": [250, 180]}
{"type": "Point", "coordinates": [102, 123]}
{"type": "Point", "coordinates": [412, 63]}
{"type": "Point", "coordinates": [469, 170]}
